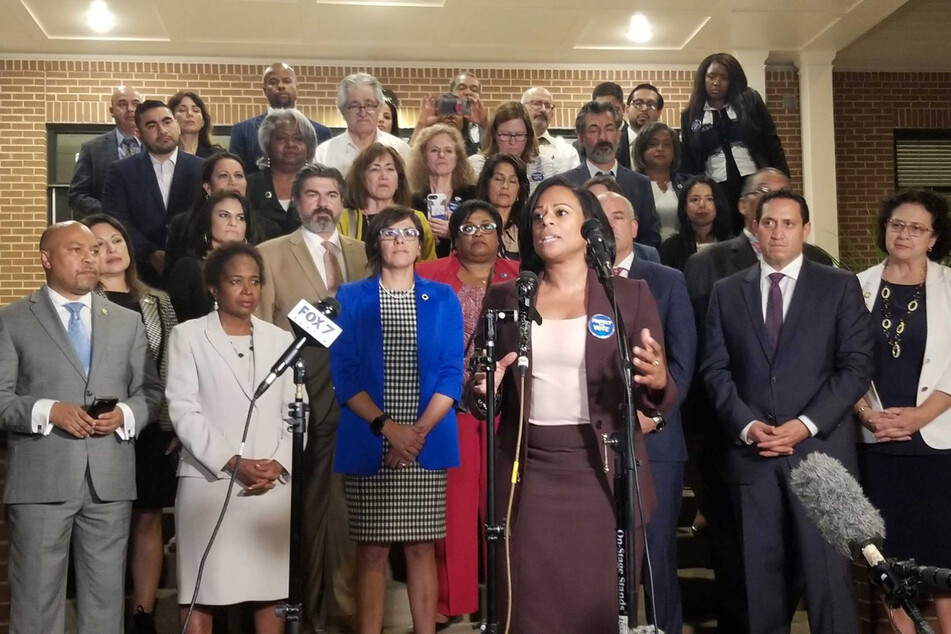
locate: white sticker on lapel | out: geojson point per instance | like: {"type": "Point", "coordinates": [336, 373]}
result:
{"type": "Point", "coordinates": [601, 326]}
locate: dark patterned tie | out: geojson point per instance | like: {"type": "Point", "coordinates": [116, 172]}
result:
{"type": "Point", "coordinates": [130, 146]}
{"type": "Point", "coordinates": [774, 309]}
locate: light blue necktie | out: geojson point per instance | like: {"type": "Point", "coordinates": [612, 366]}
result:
{"type": "Point", "coordinates": [77, 335]}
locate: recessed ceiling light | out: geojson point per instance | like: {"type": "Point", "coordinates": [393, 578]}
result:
{"type": "Point", "coordinates": [640, 29]}
{"type": "Point", "coordinates": [99, 18]}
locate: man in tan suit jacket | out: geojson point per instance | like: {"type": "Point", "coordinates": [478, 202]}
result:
{"type": "Point", "coordinates": [310, 264]}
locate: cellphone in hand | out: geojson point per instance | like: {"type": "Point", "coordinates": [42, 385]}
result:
{"type": "Point", "coordinates": [452, 105]}
{"type": "Point", "coordinates": [437, 206]}
{"type": "Point", "coordinates": [101, 406]}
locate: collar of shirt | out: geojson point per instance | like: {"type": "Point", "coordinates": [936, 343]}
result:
{"type": "Point", "coordinates": [376, 139]}
{"type": "Point", "coordinates": [626, 264]}
{"type": "Point", "coordinates": [754, 241]}
{"type": "Point", "coordinates": [173, 158]}
{"type": "Point", "coordinates": [60, 303]}
{"type": "Point", "coordinates": [315, 243]}
{"type": "Point", "coordinates": [547, 138]}
{"type": "Point", "coordinates": [594, 169]}
{"type": "Point", "coordinates": [791, 270]}
{"type": "Point", "coordinates": [708, 111]}
{"type": "Point", "coordinates": [121, 137]}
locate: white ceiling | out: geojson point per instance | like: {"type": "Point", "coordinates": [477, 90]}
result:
{"type": "Point", "coordinates": [478, 32]}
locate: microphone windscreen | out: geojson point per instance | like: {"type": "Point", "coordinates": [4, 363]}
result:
{"type": "Point", "coordinates": [330, 305]}
{"type": "Point", "coordinates": [835, 503]}
{"type": "Point", "coordinates": [591, 229]}
{"type": "Point", "coordinates": [527, 281]}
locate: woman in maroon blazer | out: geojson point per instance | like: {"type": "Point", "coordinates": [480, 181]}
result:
{"type": "Point", "coordinates": [475, 231]}
{"type": "Point", "coordinates": [562, 524]}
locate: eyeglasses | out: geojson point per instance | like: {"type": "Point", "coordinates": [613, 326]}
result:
{"type": "Point", "coordinates": [471, 229]}
{"type": "Point", "coordinates": [541, 105]}
{"type": "Point", "coordinates": [759, 191]}
{"type": "Point", "coordinates": [641, 105]}
{"type": "Point", "coordinates": [407, 234]}
{"type": "Point", "coordinates": [914, 230]}
{"type": "Point", "coordinates": [509, 137]}
{"type": "Point", "coordinates": [356, 108]}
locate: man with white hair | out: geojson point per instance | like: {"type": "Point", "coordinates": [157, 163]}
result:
{"type": "Point", "coordinates": [359, 98]}
{"type": "Point", "coordinates": [541, 108]}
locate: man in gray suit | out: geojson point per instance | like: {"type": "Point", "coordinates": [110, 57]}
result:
{"type": "Point", "coordinates": [95, 155]}
{"type": "Point", "coordinates": [71, 473]}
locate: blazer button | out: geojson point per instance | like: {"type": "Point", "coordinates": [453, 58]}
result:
{"type": "Point", "coordinates": [924, 389]}
{"type": "Point", "coordinates": [597, 425]}
{"type": "Point", "coordinates": [88, 392]}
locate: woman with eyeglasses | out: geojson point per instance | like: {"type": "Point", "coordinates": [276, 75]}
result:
{"type": "Point", "coordinates": [510, 132]}
{"type": "Point", "coordinates": [727, 130]}
{"type": "Point", "coordinates": [377, 180]}
{"type": "Point", "coordinates": [473, 265]}
{"type": "Point", "coordinates": [504, 183]}
{"type": "Point", "coordinates": [905, 444]}
{"type": "Point", "coordinates": [397, 372]}
{"type": "Point", "coordinates": [657, 156]}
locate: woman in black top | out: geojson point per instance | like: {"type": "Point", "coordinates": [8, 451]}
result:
{"type": "Point", "coordinates": [504, 183]}
{"type": "Point", "coordinates": [156, 447]}
{"type": "Point", "coordinates": [727, 130]}
{"type": "Point", "coordinates": [704, 219]}
{"type": "Point", "coordinates": [195, 123]}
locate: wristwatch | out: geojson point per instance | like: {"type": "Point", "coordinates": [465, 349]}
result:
{"type": "Point", "coordinates": [376, 425]}
{"type": "Point", "coordinates": [659, 422]}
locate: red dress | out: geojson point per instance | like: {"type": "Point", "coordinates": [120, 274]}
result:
{"type": "Point", "coordinates": [457, 556]}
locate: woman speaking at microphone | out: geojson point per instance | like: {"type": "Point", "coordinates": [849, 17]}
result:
{"type": "Point", "coordinates": [562, 524]}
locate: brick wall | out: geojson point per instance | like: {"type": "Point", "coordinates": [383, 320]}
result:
{"type": "Point", "coordinates": [868, 108]}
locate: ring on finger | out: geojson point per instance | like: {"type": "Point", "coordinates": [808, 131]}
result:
{"type": "Point", "coordinates": [655, 362]}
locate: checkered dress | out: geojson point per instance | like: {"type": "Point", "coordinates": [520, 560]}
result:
{"type": "Point", "coordinates": [406, 504]}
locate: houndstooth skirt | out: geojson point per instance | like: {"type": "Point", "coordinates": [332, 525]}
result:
{"type": "Point", "coordinates": [406, 504]}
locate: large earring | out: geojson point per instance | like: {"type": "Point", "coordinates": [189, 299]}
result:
{"type": "Point", "coordinates": [216, 304]}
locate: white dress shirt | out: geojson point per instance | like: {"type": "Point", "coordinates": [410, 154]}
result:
{"type": "Point", "coordinates": [788, 286]}
{"type": "Point", "coordinates": [594, 169]}
{"type": "Point", "coordinates": [341, 151]}
{"type": "Point", "coordinates": [315, 245]}
{"type": "Point", "coordinates": [164, 173]}
{"type": "Point", "coordinates": [715, 167]}
{"type": "Point", "coordinates": [625, 265]}
{"type": "Point", "coordinates": [562, 154]}
{"type": "Point", "coordinates": [40, 414]}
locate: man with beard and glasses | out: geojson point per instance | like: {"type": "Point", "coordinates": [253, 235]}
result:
{"type": "Point", "coordinates": [279, 86]}
{"type": "Point", "coordinates": [541, 108]}
{"type": "Point", "coordinates": [311, 264]}
{"type": "Point", "coordinates": [599, 130]}
{"type": "Point", "coordinates": [145, 191]}
{"type": "Point", "coordinates": [644, 105]}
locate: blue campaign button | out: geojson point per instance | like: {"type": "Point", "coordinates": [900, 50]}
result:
{"type": "Point", "coordinates": [601, 326]}
{"type": "Point", "coordinates": [538, 177]}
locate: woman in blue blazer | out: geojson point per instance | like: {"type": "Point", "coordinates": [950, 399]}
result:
{"type": "Point", "coordinates": [397, 370]}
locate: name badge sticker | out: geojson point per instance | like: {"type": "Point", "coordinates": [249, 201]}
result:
{"type": "Point", "coordinates": [538, 177]}
{"type": "Point", "coordinates": [601, 326]}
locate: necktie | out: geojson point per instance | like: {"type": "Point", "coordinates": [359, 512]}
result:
{"type": "Point", "coordinates": [130, 146]}
{"type": "Point", "coordinates": [619, 271]}
{"type": "Point", "coordinates": [77, 335]}
{"type": "Point", "coordinates": [332, 267]}
{"type": "Point", "coordinates": [774, 309]}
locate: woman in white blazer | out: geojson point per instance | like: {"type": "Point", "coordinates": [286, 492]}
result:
{"type": "Point", "coordinates": [905, 449]}
{"type": "Point", "coordinates": [215, 364]}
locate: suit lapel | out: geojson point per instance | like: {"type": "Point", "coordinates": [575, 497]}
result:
{"type": "Point", "coordinates": [797, 304]}
{"type": "Point", "coordinates": [743, 256]}
{"type": "Point", "coordinates": [219, 341]}
{"type": "Point", "coordinates": [102, 332]}
{"type": "Point", "coordinates": [177, 193]}
{"type": "Point", "coordinates": [306, 262]}
{"type": "Point", "coordinates": [752, 297]}
{"type": "Point", "coordinates": [45, 313]}
{"type": "Point", "coordinates": [354, 259]}
{"type": "Point", "coordinates": [147, 175]}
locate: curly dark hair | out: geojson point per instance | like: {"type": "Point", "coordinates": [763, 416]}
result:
{"type": "Point", "coordinates": [934, 204]}
{"type": "Point", "coordinates": [386, 218]}
{"type": "Point", "coordinates": [199, 223]}
{"type": "Point", "coordinates": [590, 208]}
{"type": "Point", "coordinates": [214, 269]}
{"type": "Point", "coordinates": [465, 210]}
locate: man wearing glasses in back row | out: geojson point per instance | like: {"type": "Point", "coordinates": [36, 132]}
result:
{"type": "Point", "coordinates": [644, 105]}
{"type": "Point", "coordinates": [359, 98]}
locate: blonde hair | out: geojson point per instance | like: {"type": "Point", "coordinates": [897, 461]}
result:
{"type": "Point", "coordinates": [418, 173]}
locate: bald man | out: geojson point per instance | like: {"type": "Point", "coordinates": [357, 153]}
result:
{"type": "Point", "coordinates": [95, 155]}
{"type": "Point", "coordinates": [664, 435]}
{"type": "Point", "coordinates": [71, 472]}
{"type": "Point", "coordinates": [541, 108]}
{"type": "Point", "coordinates": [279, 85]}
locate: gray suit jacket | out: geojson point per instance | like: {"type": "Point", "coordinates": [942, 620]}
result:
{"type": "Point", "coordinates": [39, 362]}
{"type": "Point", "coordinates": [89, 175]}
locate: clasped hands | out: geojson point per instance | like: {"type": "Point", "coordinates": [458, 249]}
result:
{"type": "Point", "coordinates": [406, 441]}
{"type": "Point", "coordinates": [257, 476]}
{"type": "Point", "coordinates": [895, 424]}
{"type": "Point", "coordinates": [75, 421]}
{"type": "Point", "coordinates": [777, 441]}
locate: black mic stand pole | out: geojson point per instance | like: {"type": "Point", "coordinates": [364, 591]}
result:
{"type": "Point", "coordinates": [292, 608]}
{"type": "Point", "coordinates": [494, 531]}
{"type": "Point", "coordinates": [626, 478]}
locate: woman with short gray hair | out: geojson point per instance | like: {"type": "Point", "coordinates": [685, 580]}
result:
{"type": "Point", "coordinates": [287, 141]}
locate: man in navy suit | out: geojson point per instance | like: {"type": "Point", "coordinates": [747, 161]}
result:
{"type": "Point", "coordinates": [788, 353]}
{"type": "Point", "coordinates": [97, 154]}
{"type": "Point", "coordinates": [280, 88]}
{"type": "Point", "coordinates": [147, 190]}
{"type": "Point", "coordinates": [598, 126]}
{"type": "Point", "coordinates": [664, 435]}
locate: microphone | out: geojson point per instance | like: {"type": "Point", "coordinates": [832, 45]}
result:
{"type": "Point", "coordinates": [527, 285]}
{"type": "Point", "coordinates": [598, 248]}
{"type": "Point", "coordinates": [312, 324]}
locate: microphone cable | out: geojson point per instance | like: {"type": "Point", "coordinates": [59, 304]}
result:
{"type": "Point", "coordinates": [508, 510]}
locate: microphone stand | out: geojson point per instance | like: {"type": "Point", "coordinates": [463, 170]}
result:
{"type": "Point", "coordinates": [900, 592]}
{"type": "Point", "coordinates": [291, 609]}
{"type": "Point", "coordinates": [626, 476]}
